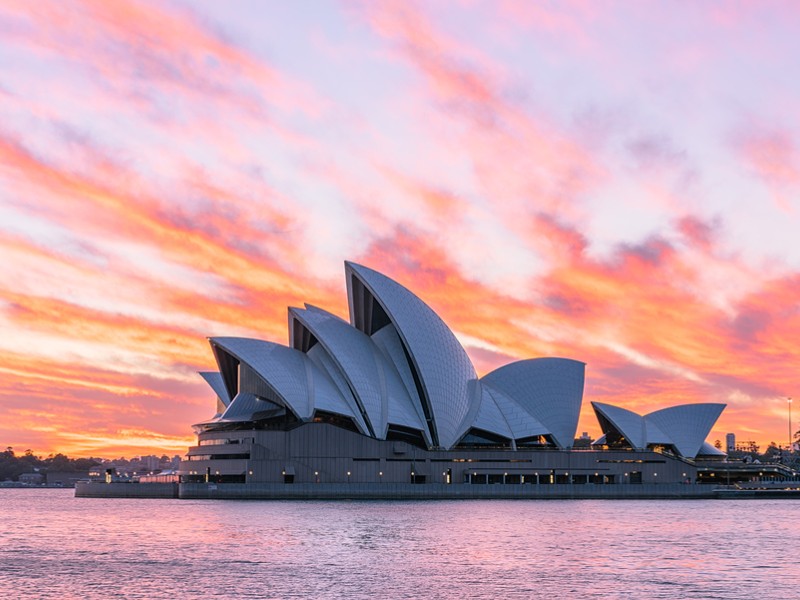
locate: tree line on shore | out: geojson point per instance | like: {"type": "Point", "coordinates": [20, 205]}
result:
{"type": "Point", "coordinates": [13, 465]}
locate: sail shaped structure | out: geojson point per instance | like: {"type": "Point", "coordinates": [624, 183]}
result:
{"type": "Point", "coordinates": [395, 370]}
{"type": "Point", "coordinates": [682, 428]}
{"type": "Point", "coordinates": [389, 395]}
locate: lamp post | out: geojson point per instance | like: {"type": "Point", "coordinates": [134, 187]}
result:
{"type": "Point", "coordinates": [789, 400]}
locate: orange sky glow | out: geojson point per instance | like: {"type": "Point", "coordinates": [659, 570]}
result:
{"type": "Point", "coordinates": [614, 183]}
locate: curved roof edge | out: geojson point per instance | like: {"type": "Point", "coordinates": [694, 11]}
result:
{"type": "Point", "coordinates": [390, 348]}
{"type": "Point", "coordinates": [709, 450]}
{"type": "Point", "coordinates": [490, 417]}
{"type": "Point", "coordinates": [521, 423]}
{"type": "Point", "coordinates": [320, 357]}
{"type": "Point", "coordinates": [249, 407]}
{"type": "Point", "coordinates": [346, 353]}
{"type": "Point", "coordinates": [684, 426]}
{"type": "Point", "coordinates": [443, 369]}
{"type": "Point", "coordinates": [628, 424]}
{"type": "Point", "coordinates": [290, 376]}
{"type": "Point", "coordinates": [550, 389]}
{"type": "Point", "coordinates": [214, 379]}
{"type": "Point", "coordinates": [687, 425]}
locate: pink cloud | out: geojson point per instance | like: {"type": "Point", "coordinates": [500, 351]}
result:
{"type": "Point", "coordinates": [774, 158]}
{"type": "Point", "coordinates": [199, 206]}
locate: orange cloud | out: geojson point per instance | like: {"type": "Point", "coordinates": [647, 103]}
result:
{"type": "Point", "coordinates": [649, 340]}
{"type": "Point", "coordinates": [203, 214]}
{"type": "Point", "coordinates": [50, 405]}
{"type": "Point", "coordinates": [526, 161]}
{"type": "Point", "coordinates": [128, 42]}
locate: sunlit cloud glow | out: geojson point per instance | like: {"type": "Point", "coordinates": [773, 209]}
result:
{"type": "Point", "coordinates": [619, 184]}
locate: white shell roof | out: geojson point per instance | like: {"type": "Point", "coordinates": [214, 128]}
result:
{"type": "Point", "coordinates": [379, 390]}
{"type": "Point", "coordinates": [520, 421]}
{"type": "Point", "coordinates": [244, 407]}
{"type": "Point", "coordinates": [490, 417]}
{"type": "Point", "coordinates": [442, 364]}
{"type": "Point", "coordinates": [320, 357]}
{"type": "Point", "coordinates": [629, 424]}
{"type": "Point", "coordinates": [548, 389]}
{"type": "Point", "coordinates": [214, 379]}
{"type": "Point", "coordinates": [708, 450]}
{"type": "Point", "coordinates": [290, 373]}
{"type": "Point", "coordinates": [685, 426]}
{"type": "Point", "coordinates": [397, 363]}
{"type": "Point", "coordinates": [653, 433]}
{"type": "Point", "coordinates": [354, 354]}
{"type": "Point", "coordinates": [401, 408]}
{"type": "Point", "coordinates": [401, 382]}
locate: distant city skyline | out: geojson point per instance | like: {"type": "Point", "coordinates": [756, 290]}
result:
{"type": "Point", "coordinates": [617, 183]}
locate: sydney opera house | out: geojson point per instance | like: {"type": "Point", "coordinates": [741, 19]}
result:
{"type": "Point", "coordinates": [391, 396]}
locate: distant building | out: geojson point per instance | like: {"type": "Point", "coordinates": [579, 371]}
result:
{"type": "Point", "coordinates": [730, 442]}
{"type": "Point", "coordinates": [65, 478]}
{"type": "Point", "coordinates": [151, 463]}
{"type": "Point", "coordinates": [31, 478]}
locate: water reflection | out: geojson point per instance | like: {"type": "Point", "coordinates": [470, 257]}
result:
{"type": "Point", "coordinates": [55, 546]}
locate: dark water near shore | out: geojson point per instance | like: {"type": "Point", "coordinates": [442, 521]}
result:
{"type": "Point", "coordinates": [55, 546]}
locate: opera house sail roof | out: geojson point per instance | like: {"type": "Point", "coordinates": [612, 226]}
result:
{"type": "Point", "coordinates": [683, 428]}
{"type": "Point", "coordinates": [394, 371]}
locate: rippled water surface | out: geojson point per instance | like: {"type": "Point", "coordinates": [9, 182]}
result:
{"type": "Point", "coordinates": [53, 545]}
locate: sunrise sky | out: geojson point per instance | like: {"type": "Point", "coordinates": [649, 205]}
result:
{"type": "Point", "coordinates": [615, 182]}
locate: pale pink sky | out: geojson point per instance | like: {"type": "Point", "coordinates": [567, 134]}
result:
{"type": "Point", "coordinates": [615, 182]}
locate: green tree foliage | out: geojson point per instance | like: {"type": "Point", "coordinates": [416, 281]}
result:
{"type": "Point", "coordinates": [12, 466]}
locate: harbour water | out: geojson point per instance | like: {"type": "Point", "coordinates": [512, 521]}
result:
{"type": "Point", "coordinates": [53, 545]}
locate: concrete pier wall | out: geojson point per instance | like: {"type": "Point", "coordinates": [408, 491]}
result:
{"type": "Point", "coordinates": [97, 489]}
{"type": "Point", "coordinates": [407, 491]}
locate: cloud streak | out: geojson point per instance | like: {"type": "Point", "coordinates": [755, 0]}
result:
{"type": "Point", "coordinates": [549, 180]}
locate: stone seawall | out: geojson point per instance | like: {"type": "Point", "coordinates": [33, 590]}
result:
{"type": "Point", "coordinates": [408, 491]}
{"type": "Point", "coordinates": [97, 489]}
{"type": "Point", "coordinates": [432, 491]}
